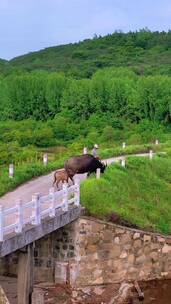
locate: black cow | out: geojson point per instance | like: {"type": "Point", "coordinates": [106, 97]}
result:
{"type": "Point", "coordinates": [83, 164]}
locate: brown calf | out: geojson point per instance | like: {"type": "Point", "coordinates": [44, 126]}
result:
{"type": "Point", "coordinates": [61, 176]}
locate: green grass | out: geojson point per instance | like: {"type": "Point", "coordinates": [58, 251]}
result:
{"type": "Point", "coordinates": [139, 193]}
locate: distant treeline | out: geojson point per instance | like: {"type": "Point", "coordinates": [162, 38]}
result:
{"type": "Point", "coordinates": [119, 92]}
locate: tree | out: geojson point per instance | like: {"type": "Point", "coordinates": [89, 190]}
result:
{"type": "Point", "coordinates": [108, 134]}
{"type": "Point", "coordinates": [154, 98]}
{"type": "Point", "coordinates": [55, 86]}
{"type": "Point", "coordinates": [75, 99]}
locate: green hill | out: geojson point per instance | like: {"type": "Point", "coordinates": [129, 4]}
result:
{"type": "Point", "coordinates": [6, 68]}
{"type": "Point", "coordinates": [3, 65]}
{"type": "Point", "coordinates": [145, 50]}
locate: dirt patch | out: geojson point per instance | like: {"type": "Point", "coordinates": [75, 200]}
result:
{"type": "Point", "coordinates": [117, 219]}
{"type": "Point", "coordinates": [58, 294]}
{"type": "Point", "coordinates": [113, 218]}
{"type": "Point", "coordinates": [96, 295]}
{"type": "Point", "coordinates": [64, 294]}
{"type": "Point", "coordinates": [157, 292]}
{"type": "Point", "coordinates": [9, 285]}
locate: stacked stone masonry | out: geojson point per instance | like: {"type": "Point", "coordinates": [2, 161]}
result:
{"type": "Point", "coordinates": [93, 252]}
{"type": "Point", "coordinates": [107, 253]}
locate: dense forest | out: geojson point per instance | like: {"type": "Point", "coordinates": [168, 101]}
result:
{"type": "Point", "coordinates": [115, 91]}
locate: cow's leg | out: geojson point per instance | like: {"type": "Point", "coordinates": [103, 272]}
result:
{"type": "Point", "coordinates": [67, 180]}
{"type": "Point", "coordinates": [57, 183]}
{"type": "Point", "coordinates": [54, 182]}
{"type": "Point", "coordinates": [64, 181]}
{"type": "Point", "coordinates": [71, 178]}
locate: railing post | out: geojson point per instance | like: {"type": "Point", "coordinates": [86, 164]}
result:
{"type": "Point", "coordinates": [19, 227]}
{"type": "Point", "coordinates": [85, 150]}
{"type": "Point", "coordinates": [123, 163]}
{"type": "Point", "coordinates": [37, 216]}
{"type": "Point", "coordinates": [52, 202]}
{"type": "Point", "coordinates": [98, 171]}
{"type": "Point", "coordinates": [151, 154]}
{"type": "Point", "coordinates": [77, 192]}
{"type": "Point", "coordinates": [123, 145]}
{"type": "Point", "coordinates": [45, 159]}
{"type": "Point", "coordinates": [65, 197]}
{"type": "Point", "coordinates": [11, 171]}
{"type": "Point", "coordinates": [1, 224]}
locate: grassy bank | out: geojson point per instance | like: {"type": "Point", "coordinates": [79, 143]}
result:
{"type": "Point", "coordinates": [139, 193]}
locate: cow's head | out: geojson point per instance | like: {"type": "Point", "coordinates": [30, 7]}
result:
{"type": "Point", "coordinates": [103, 167]}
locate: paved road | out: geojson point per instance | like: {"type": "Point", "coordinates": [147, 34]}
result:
{"type": "Point", "coordinates": [42, 185]}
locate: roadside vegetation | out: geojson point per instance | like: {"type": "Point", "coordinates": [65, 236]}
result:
{"type": "Point", "coordinates": [138, 195]}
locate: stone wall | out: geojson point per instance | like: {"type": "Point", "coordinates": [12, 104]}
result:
{"type": "Point", "coordinates": [107, 253]}
{"type": "Point", "coordinates": [93, 252]}
{"type": "Point", "coordinates": [44, 259]}
{"type": "Point", "coordinates": [57, 246]}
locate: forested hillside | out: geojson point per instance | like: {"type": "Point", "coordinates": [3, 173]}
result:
{"type": "Point", "coordinates": [148, 52]}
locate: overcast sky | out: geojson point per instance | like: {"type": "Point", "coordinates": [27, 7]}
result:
{"type": "Point", "coordinates": [30, 25]}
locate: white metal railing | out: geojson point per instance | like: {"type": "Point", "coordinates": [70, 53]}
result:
{"type": "Point", "coordinates": [14, 219]}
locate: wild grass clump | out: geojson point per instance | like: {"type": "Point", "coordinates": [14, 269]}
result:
{"type": "Point", "coordinates": [139, 193]}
